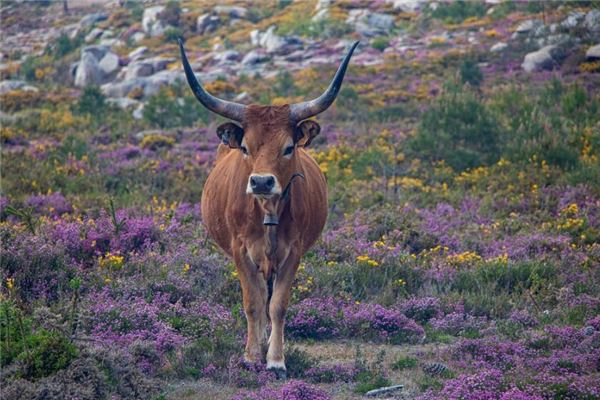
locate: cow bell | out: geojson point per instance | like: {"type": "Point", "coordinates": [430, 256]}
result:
{"type": "Point", "coordinates": [270, 220]}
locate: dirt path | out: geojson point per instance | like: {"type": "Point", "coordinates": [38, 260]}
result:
{"type": "Point", "coordinates": [336, 352]}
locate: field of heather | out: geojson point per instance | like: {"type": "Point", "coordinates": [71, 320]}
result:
{"type": "Point", "coordinates": [461, 255]}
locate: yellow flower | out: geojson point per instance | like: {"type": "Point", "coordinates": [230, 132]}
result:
{"type": "Point", "coordinates": [373, 263]}
{"type": "Point", "coordinates": [10, 283]}
{"type": "Point", "coordinates": [400, 282]}
{"type": "Point", "coordinates": [186, 268]}
{"type": "Point", "coordinates": [363, 258]}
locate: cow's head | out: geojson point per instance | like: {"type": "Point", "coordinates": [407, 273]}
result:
{"type": "Point", "coordinates": [268, 135]}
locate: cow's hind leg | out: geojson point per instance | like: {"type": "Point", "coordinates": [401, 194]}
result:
{"type": "Point", "coordinates": [254, 292]}
{"type": "Point", "coordinates": [278, 304]}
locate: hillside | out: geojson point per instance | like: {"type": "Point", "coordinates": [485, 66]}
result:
{"type": "Point", "coordinates": [461, 254]}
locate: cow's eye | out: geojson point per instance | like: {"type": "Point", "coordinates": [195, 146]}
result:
{"type": "Point", "coordinates": [288, 150]}
{"type": "Point", "coordinates": [244, 150]}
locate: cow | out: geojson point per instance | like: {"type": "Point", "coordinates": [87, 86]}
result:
{"type": "Point", "coordinates": [265, 203]}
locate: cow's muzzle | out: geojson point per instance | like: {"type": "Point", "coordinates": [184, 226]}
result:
{"type": "Point", "coordinates": [263, 185]}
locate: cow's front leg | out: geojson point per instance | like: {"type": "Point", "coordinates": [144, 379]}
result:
{"type": "Point", "coordinates": [254, 292]}
{"type": "Point", "coordinates": [282, 287]}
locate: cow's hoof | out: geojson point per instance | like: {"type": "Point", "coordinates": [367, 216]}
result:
{"type": "Point", "coordinates": [280, 373]}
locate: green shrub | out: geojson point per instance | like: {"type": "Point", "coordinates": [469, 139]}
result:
{"type": "Point", "coordinates": [405, 362]}
{"type": "Point", "coordinates": [470, 72]}
{"type": "Point", "coordinates": [65, 45]}
{"type": "Point", "coordinates": [457, 11]}
{"type": "Point", "coordinates": [92, 101]}
{"type": "Point", "coordinates": [380, 44]}
{"type": "Point", "coordinates": [459, 129]}
{"type": "Point", "coordinates": [169, 108]}
{"type": "Point", "coordinates": [46, 352]}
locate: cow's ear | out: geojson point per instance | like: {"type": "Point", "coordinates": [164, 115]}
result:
{"type": "Point", "coordinates": [230, 134]}
{"type": "Point", "coordinates": [306, 131]}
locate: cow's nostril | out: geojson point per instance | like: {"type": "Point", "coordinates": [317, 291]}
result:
{"type": "Point", "coordinates": [253, 182]}
{"type": "Point", "coordinates": [269, 182]}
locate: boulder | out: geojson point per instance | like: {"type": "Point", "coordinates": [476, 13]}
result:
{"type": "Point", "coordinates": [370, 23]}
{"type": "Point", "coordinates": [498, 47]}
{"type": "Point", "coordinates": [138, 69]}
{"type": "Point", "coordinates": [572, 20]}
{"type": "Point", "coordinates": [207, 23]}
{"type": "Point", "coordinates": [545, 58]}
{"type": "Point", "coordinates": [322, 14]}
{"type": "Point", "coordinates": [137, 53]}
{"type": "Point", "coordinates": [88, 71]}
{"type": "Point", "coordinates": [91, 19]}
{"type": "Point", "coordinates": [231, 11]}
{"type": "Point", "coordinates": [592, 23]}
{"type": "Point", "coordinates": [226, 56]}
{"type": "Point", "coordinates": [274, 43]}
{"type": "Point", "coordinates": [93, 35]}
{"type": "Point", "coordinates": [150, 22]}
{"type": "Point", "coordinates": [122, 89]}
{"type": "Point", "coordinates": [527, 26]}
{"type": "Point", "coordinates": [593, 53]}
{"type": "Point", "coordinates": [405, 5]}
{"type": "Point", "coordinates": [137, 37]}
{"type": "Point", "coordinates": [159, 63]}
{"type": "Point", "coordinates": [254, 57]}
{"type": "Point", "coordinates": [109, 64]}
{"type": "Point", "coordinates": [98, 51]}
{"type": "Point", "coordinates": [10, 85]}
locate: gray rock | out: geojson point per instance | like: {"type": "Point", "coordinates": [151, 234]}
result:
{"type": "Point", "coordinates": [560, 39]}
{"type": "Point", "coordinates": [207, 23]}
{"type": "Point", "coordinates": [226, 56]}
{"type": "Point", "coordinates": [153, 83]}
{"type": "Point", "coordinates": [545, 58]}
{"type": "Point", "coordinates": [121, 89]}
{"type": "Point", "coordinates": [137, 53]}
{"type": "Point", "coordinates": [572, 20]}
{"type": "Point", "coordinates": [405, 5]}
{"type": "Point", "coordinates": [150, 19]}
{"type": "Point", "coordinates": [255, 36]}
{"type": "Point", "coordinates": [107, 34]}
{"type": "Point", "coordinates": [384, 391]}
{"type": "Point", "coordinates": [98, 51]}
{"type": "Point", "coordinates": [589, 330]}
{"type": "Point", "coordinates": [88, 71]}
{"type": "Point", "coordinates": [529, 25]}
{"type": "Point", "coordinates": [254, 57]}
{"type": "Point", "coordinates": [231, 11]}
{"type": "Point", "coordinates": [241, 97]}
{"type": "Point", "coordinates": [93, 35]}
{"type": "Point", "coordinates": [322, 14]}
{"type": "Point", "coordinates": [137, 37]}
{"type": "Point", "coordinates": [138, 113]}
{"type": "Point", "coordinates": [10, 85]}
{"type": "Point", "coordinates": [109, 63]}
{"type": "Point", "coordinates": [369, 23]}
{"type": "Point", "coordinates": [91, 19]}
{"type": "Point", "coordinates": [159, 63]}
{"type": "Point", "coordinates": [274, 43]}
{"type": "Point", "coordinates": [593, 53]}
{"type": "Point", "coordinates": [498, 47]}
{"type": "Point", "coordinates": [73, 70]}
{"type": "Point", "coordinates": [138, 69]}
{"type": "Point", "coordinates": [592, 20]}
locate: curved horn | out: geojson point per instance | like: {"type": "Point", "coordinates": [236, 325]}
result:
{"type": "Point", "coordinates": [224, 108]}
{"type": "Point", "coordinates": [307, 109]}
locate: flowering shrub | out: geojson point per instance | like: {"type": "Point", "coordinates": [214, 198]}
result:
{"type": "Point", "coordinates": [376, 322]}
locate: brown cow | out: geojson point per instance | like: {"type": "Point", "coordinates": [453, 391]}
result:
{"type": "Point", "coordinates": [265, 203]}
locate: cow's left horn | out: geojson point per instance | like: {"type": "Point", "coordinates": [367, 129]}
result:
{"type": "Point", "coordinates": [307, 109]}
{"type": "Point", "coordinates": [227, 109]}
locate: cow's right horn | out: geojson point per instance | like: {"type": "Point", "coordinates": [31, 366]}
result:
{"type": "Point", "coordinates": [227, 109]}
{"type": "Point", "coordinates": [307, 109]}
